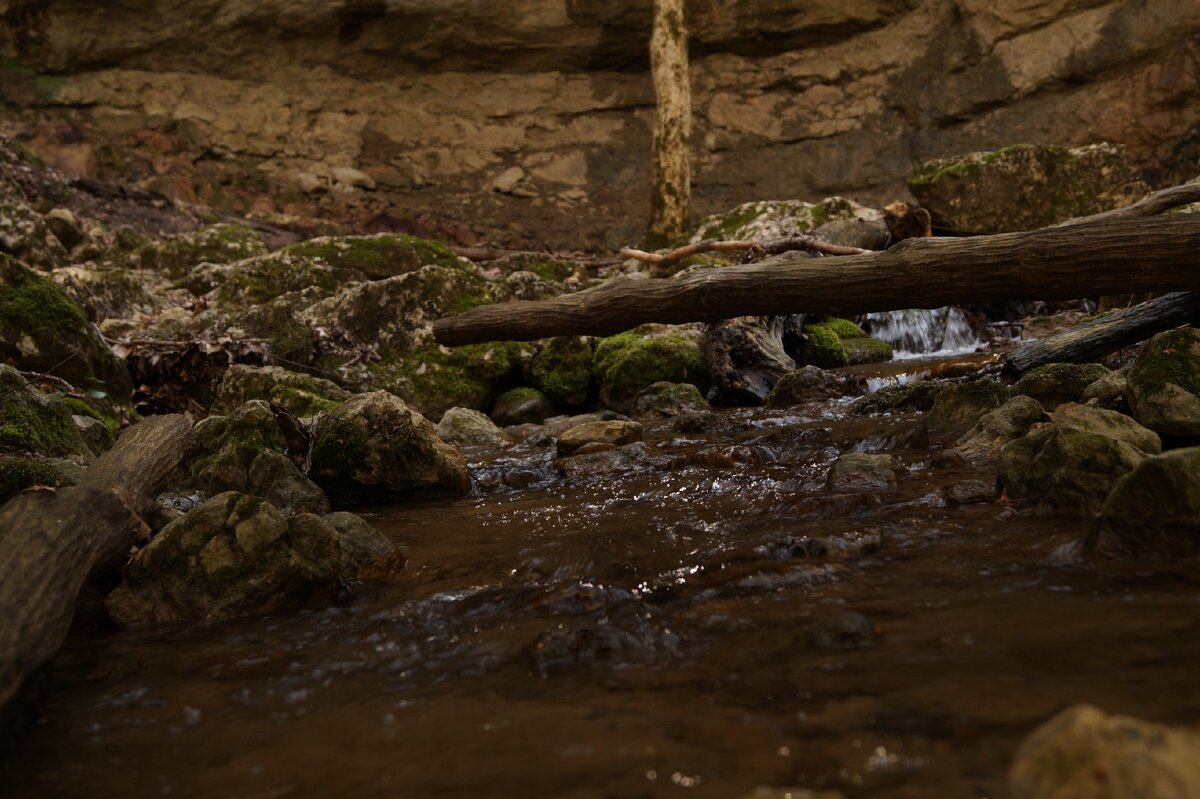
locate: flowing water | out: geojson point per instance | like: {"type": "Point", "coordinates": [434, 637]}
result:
{"type": "Point", "coordinates": [696, 615]}
{"type": "Point", "coordinates": [918, 332]}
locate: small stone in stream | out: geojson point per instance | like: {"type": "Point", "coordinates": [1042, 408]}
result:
{"type": "Point", "coordinates": [970, 492]}
{"type": "Point", "coordinates": [695, 422]}
{"type": "Point", "coordinates": [841, 630]}
{"type": "Point", "coordinates": [521, 406]}
{"type": "Point", "coordinates": [811, 383]}
{"type": "Point", "coordinates": [857, 472]}
{"type": "Point", "coordinates": [1163, 388]}
{"type": "Point", "coordinates": [908, 397]}
{"type": "Point", "coordinates": [663, 400]}
{"type": "Point", "coordinates": [958, 407]}
{"type": "Point", "coordinates": [467, 426]}
{"type": "Point", "coordinates": [981, 444]}
{"type": "Point", "coordinates": [1152, 512]}
{"type": "Point", "coordinates": [1084, 753]}
{"type": "Point", "coordinates": [616, 433]}
{"type": "Point", "coordinates": [557, 425]}
{"type": "Point", "coordinates": [593, 447]}
{"type": "Point", "coordinates": [847, 546]}
{"type": "Point", "coordinates": [1108, 391]}
{"type": "Point", "coordinates": [1056, 383]}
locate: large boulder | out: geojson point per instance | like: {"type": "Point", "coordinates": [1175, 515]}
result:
{"type": "Point", "coordinates": [1152, 512]}
{"type": "Point", "coordinates": [1084, 753]}
{"type": "Point", "coordinates": [298, 394]}
{"type": "Point", "coordinates": [1025, 186]}
{"type": "Point", "coordinates": [1070, 467]}
{"type": "Point", "coordinates": [374, 448]}
{"type": "Point", "coordinates": [629, 362]}
{"type": "Point", "coordinates": [43, 330]}
{"type": "Point", "coordinates": [958, 407]}
{"type": "Point", "coordinates": [238, 555]}
{"type": "Point", "coordinates": [562, 369]}
{"type": "Point", "coordinates": [1163, 384]}
{"type": "Point", "coordinates": [1056, 383]}
{"type": "Point", "coordinates": [467, 426]}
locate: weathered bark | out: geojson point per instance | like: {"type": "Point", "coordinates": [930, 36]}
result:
{"type": "Point", "coordinates": [767, 246]}
{"type": "Point", "coordinates": [1096, 338]}
{"type": "Point", "coordinates": [1154, 203]}
{"type": "Point", "coordinates": [1123, 256]}
{"type": "Point", "coordinates": [673, 122]}
{"type": "Point", "coordinates": [51, 541]}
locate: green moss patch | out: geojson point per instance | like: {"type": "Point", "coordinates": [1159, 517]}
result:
{"type": "Point", "coordinates": [629, 362]}
{"type": "Point", "coordinates": [381, 256]}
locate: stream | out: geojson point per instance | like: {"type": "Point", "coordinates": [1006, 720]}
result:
{"type": "Point", "coordinates": [696, 615]}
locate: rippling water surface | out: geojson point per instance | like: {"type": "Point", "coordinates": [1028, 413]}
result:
{"type": "Point", "coordinates": [693, 616]}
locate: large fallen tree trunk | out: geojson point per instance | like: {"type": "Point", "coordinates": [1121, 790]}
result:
{"type": "Point", "coordinates": [1096, 338]}
{"type": "Point", "coordinates": [1121, 256]}
{"type": "Point", "coordinates": [52, 540]}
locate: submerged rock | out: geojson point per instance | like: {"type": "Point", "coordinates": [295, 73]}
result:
{"type": "Point", "coordinates": [298, 394]}
{"type": "Point", "coordinates": [812, 383]}
{"type": "Point", "coordinates": [467, 426]}
{"type": "Point", "coordinates": [862, 472]}
{"type": "Point", "coordinates": [1010, 421]}
{"type": "Point", "coordinates": [1163, 384]}
{"type": "Point", "coordinates": [1025, 186]}
{"type": "Point", "coordinates": [1070, 467]}
{"type": "Point", "coordinates": [374, 448]}
{"type": "Point", "coordinates": [958, 407]}
{"type": "Point", "coordinates": [237, 555]}
{"type": "Point", "coordinates": [1056, 383]}
{"type": "Point", "coordinates": [665, 400]}
{"type": "Point", "coordinates": [629, 362]}
{"type": "Point", "coordinates": [612, 433]}
{"type": "Point", "coordinates": [522, 405]}
{"type": "Point", "coordinates": [1152, 512]}
{"type": "Point", "coordinates": [1083, 753]}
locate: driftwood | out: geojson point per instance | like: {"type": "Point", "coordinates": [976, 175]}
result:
{"type": "Point", "coordinates": [52, 540]}
{"type": "Point", "coordinates": [1122, 256]}
{"type": "Point", "coordinates": [1096, 338]}
{"type": "Point", "coordinates": [1154, 203]}
{"type": "Point", "coordinates": [769, 247]}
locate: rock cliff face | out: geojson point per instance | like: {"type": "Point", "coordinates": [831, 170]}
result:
{"type": "Point", "coordinates": [407, 112]}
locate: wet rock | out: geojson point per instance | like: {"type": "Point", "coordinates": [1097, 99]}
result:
{"type": "Point", "coordinates": [43, 330]}
{"type": "Point", "coordinates": [374, 448]}
{"type": "Point", "coordinates": [592, 447]}
{"type": "Point", "coordinates": [823, 347]}
{"type": "Point", "coordinates": [1056, 383]}
{"type": "Point", "coordinates": [747, 357]}
{"type": "Point", "coordinates": [863, 472]}
{"type": "Point", "coordinates": [466, 426]}
{"type": "Point", "coordinates": [522, 405]}
{"type": "Point", "coordinates": [1069, 468]}
{"type": "Point", "coordinates": [841, 631]}
{"type": "Point", "coordinates": [616, 433]}
{"type": "Point", "coordinates": [237, 555]}
{"type": "Point", "coordinates": [378, 257]}
{"type": "Point", "coordinates": [811, 383]}
{"type": "Point", "coordinates": [557, 425]}
{"type": "Point", "coordinates": [365, 553]}
{"type": "Point", "coordinates": [245, 452]}
{"type": "Point", "coordinates": [1108, 391]}
{"type": "Point", "coordinates": [1152, 512]}
{"type": "Point", "coordinates": [970, 492]}
{"type": "Point", "coordinates": [696, 422]}
{"type": "Point", "coordinates": [1025, 186]}
{"type": "Point", "coordinates": [562, 369]}
{"type": "Point", "coordinates": [664, 400]}
{"type": "Point", "coordinates": [957, 409]}
{"type": "Point", "coordinates": [24, 234]}
{"type": "Point", "coordinates": [847, 546]}
{"type": "Point", "coordinates": [1012, 420]}
{"type": "Point", "coordinates": [629, 362]}
{"type": "Point", "coordinates": [863, 349]}
{"type": "Point", "coordinates": [298, 394]}
{"type": "Point", "coordinates": [904, 398]}
{"type": "Point", "coordinates": [1084, 753]}
{"type": "Point", "coordinates": [1163, 388]}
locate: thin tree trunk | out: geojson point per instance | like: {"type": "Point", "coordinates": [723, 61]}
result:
{"type": "Point", "coordinates": [1122, 256]}
{"type": "Point", "coordinates": [673, 122]}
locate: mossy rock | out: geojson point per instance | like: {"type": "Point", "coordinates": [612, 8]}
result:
{"type": "Point", "coordinates": [1056, 383]}
{"type": "Point", "coordinates": [262, 279]}
{"type": "Point", "coordinates": [958, 407]}
{"type": "Point", "coordinates": [522, 405]}
{"type": "Point", "coordinates": [904, 398]}
{"type": "Point", "coordinates": [34, 423]}
{"type": "Point", "coordinates": [1152, 512]}
{"type": "Point", "coordinates": [110, 293]}
{"type": "Point", "coordinates": [669, 400]}
{"type": "Point", "coordinates": [866, 350]}
{"type": "Point", "coordinates": [1163, 384]}
{"type": "Point", "coordinates": [772, 219]}
{"type": "Point", "coordinates": [25, 235]}
{"type": "Point", "coordinates": [562, 369]}
{"type": "Point", "coordinates": [823, 348]}
{"type": "Point", "coordinates": [44, 330]}
{"type": "Point", "coordinates": [381, 256]}
{"type": "Point", "coordinates": [298, 394]}
{"type": "Point", "coordinates": [555, 270]}
{"type": "Point", "coordinates": [19, 472]}
{"type": "Point", "coordinates": [628, 363]}
{"type": "Point", "coordinates": [176, 255]}
{"type": "Point", "coordinates": [843, 327]}
{"type": "Point", "coordinates": [467, 426]}
{"type": "Point", "coordinates": [434, 379]}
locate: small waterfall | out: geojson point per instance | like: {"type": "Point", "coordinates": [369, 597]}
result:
{"type": "Point", "coordinates": [920, 332]}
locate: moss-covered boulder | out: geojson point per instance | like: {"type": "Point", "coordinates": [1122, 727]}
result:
{"type": "Point", "coordinates": [628, 363]}
{"type": "Point", "coordinates": [522, 405]}
{"type": "Point", "coordinates": [374, 448]}
{"type": "Point", "coordinates": [958, 407]}
{"type": "Point", "coordinates": [467, 426]}
{"type": "Point", "coordinates": [246, 451]}
{"type": "Point", "coordinates": [238, 555]}
{"type": "Point", "coordinates": [773, 219]}
{"type": "Point", "coordinates": [1152, 512]}
{"type": "Point", "coordinates": [1025, 186]}
{"type": "Point", "coordinates": [1057, 383]}
{"type": "Point", "coordinates": [178, 254]}
{"type": "Point", "coordinates": [1012, 420]}
{"type": "Point", "coordinates": [112, 293]}
{"type": "Point", "coordinates": [267, 277]}
{"type": "Point", "coordinates": [1084, 753]}
{"type": "Point", "coordinates": [1070, 468]}
{"type": "Point", "coordinates": [298, 394]}
{"type": "Point", "coordinates": [665, 400]}
{"type": "Point", "coordinates": [554, 270]}
{"type": "Point", "coordinates": [1163, 384]}
{"type": "Point", "coordinates": [562, 370]}
{"type": "Point", "coordinates": [823, 347]}
{"type": "Point", "coordinates": [43, 330]}
{"type": "Point", "coordinates": [381, 256]}
{"type": "Point", "coordinates": [24, 234]}
{"type": "Point", "coordinates": [863, 349]}
{"type": "Point", "coordinates": [21, 471]}
{"type": "Point", "coordinates": [31, 422]}
{"type": "Point", "coordinates": [434, 379]}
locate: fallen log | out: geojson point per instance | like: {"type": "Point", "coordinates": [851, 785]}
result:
{"type": "Point", "coordinates": [1154, 203]}
{"type": "Point", "coordinates": [1122, 256]}
{"type": "Point", "coordinates": [1096, 338]}
{"type": "Point", "coordinates": [52, 540]}
{"type": "Point", "coordinates": [768, 246]}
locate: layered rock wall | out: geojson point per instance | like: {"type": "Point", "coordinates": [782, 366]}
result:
{"type": "Point", "coordinates": [407, 112]}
